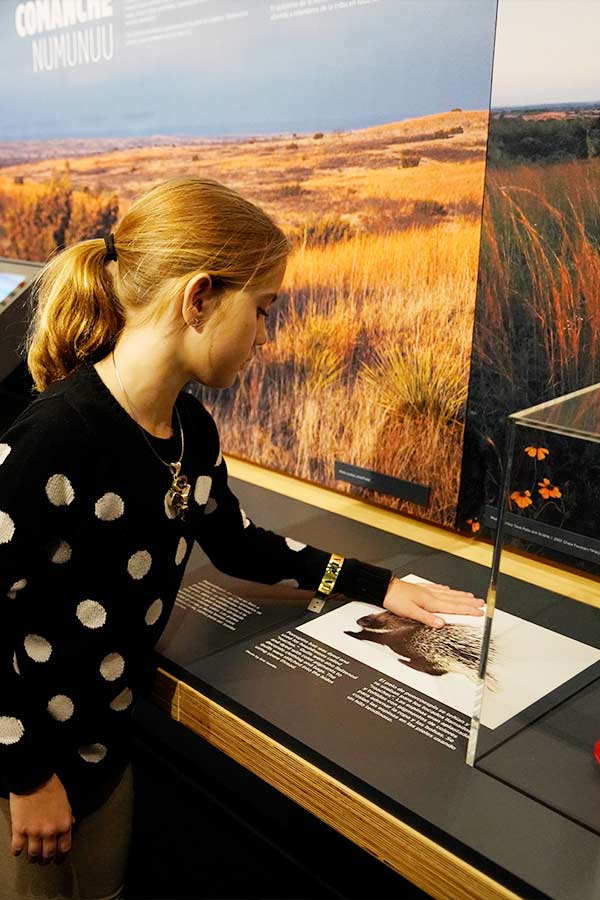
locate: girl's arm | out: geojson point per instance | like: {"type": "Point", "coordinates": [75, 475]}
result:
{"type": "Point", "coordinates": [41, 817]}
{"type": "Point", "coordinates": [26, 759]}
{"type": "Point", "coordinates": [238, 547]}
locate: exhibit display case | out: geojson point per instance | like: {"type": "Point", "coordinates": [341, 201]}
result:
{"type": "Point", "coordinates": [535, 721]}
{"type": "Point", "coordinates": [244, 664]}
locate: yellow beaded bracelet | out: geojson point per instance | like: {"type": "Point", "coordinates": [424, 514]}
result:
{"type": "Point", "coordinates": [332, 570]}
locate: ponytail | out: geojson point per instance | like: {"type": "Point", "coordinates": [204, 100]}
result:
{"type": "Point", "coordinates": [77, 315]}
{"type": "Point", "coordinates": [179, 228]}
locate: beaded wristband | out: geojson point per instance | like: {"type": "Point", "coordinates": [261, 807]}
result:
{"type": "Point", "coordinates": [332, 570]}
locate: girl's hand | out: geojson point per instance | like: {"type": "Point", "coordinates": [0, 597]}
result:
{"type": "Point", "coordinates": [41, 822]}
{"type": "Point", "coordinates": [421, 601]}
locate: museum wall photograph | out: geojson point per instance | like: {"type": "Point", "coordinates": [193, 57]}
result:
{"type": "Point", "coordinates": [369, 150]}
{"type": "Point", "coordinates": [537, 331]}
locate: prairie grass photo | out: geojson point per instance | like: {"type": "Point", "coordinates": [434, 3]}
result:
{"type": "Point", "coordinates": [537, 326]}
{"type": "Point", "coordinates": [362, 129]}
{"type": "Point", "coordinates": [368, 360]}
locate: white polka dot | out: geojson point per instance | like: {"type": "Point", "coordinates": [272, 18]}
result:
{"type": "Point", "coordinates": [210, 506]}
{"type": "Point", "coordinates": [294, 545]}
{"type": "Point", "coordinates": [61, 707]}
{"type": "Point", "coordinates": [91, 614]}
{"type": "Point", "coordinates": [60, 553]}
{"type": "Point", "coordinates": [202, 489]}
{"type": "Point", "coordinates": [154, 612]}
{"type": "Point", "coordinates": [289, 582]}
{"type": "Point", "coordinates": [122, 700]}
{"type": "Point", "coordinates": [171, 514]}
{"type": "Point", "coordinates": [92, 753]}
{"type": "Point", "coordinates": [4, 451]}
{"type": "Point", "coordinates": [109, 507]}
{"type": "Point", "coordinates": [16, 664]}
{"type": "Point", "coordinates": [17, 586]}
{"type": "Point", "coordinates": [59, 490]}
{"type": "Point", "coordinates": [181, 551]}
{"type": "Point", "coordinates": [139, 564]}
{"type": "Point", "coordinates": [7, 528]}
{"type": "Point", "coordinates": [11, 730]}
{"type": "Point", "coordinates": [219, 458]}
{"type": "Point", "coordinates": [37, 648]}
{"type": "Point", "coordinates": [245, 518]}
{"type": "Point", "coordinates": [112, 666]}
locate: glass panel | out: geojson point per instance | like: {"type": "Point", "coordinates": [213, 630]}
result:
{"type": "Point", "coordinates": [577, 414]}
{"type": "Point", "coordinates": [535, 720]}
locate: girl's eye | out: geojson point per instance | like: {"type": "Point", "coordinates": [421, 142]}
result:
{"type": "Point", "coordinates": [262, 312]}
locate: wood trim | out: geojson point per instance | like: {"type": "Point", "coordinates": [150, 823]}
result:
{"type": "Point", "coordinates": [417, 858]}
{"type": "Point", "coordinates": [569, 584]}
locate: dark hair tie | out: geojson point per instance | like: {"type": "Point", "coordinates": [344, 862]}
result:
{"type": "Point", "coordinates": [111, 253]}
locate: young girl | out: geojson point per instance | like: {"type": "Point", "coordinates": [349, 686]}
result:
{"type": "Point", "coordinates": [106, 480]}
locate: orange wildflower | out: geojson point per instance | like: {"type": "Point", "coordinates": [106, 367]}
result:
{"type": "Point", "coordinates": [521, 498]}
{"type": "Point", "coordinates": [548, 490]}
{"type": "Point", "coordinates": [475, 525]}
{"type": "Point", "coordinates": [537, 452]}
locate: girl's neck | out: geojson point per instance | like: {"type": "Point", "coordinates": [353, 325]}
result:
{"type": "Point", "coordinates": [151, 380]}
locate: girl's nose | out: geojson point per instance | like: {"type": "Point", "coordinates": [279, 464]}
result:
{"type": "Point", "coordinates": [261, 333]}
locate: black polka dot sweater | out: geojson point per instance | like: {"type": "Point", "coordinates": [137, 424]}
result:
{"type": "Point", "coordinates": [91, 559]}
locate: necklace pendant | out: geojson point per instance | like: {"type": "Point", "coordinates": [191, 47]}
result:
{"type": "Point", "coordinates": [179, 492]}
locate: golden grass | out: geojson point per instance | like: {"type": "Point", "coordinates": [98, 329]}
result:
{"type": "Point", "coordinates": [353, 309]}
{"type": "Point", "coordinates": [465, 183]}
{"type": "Point", "coordinates": [370, 360]}
{"type": "Point", "coordinates": [542, 228]}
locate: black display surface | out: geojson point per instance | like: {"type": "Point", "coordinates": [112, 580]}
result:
{"type": "Point", "coordinates": [530, 811]}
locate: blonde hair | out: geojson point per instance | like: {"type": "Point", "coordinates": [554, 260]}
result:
{"type": "Point", "coordinates": [179, 228]}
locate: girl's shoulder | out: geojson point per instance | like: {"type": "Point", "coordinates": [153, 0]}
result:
{"type": "Point", "coordinates": [47, 428]}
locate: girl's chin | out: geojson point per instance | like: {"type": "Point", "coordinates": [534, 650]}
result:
{"type": "Point", "coordinates": [225, 381]}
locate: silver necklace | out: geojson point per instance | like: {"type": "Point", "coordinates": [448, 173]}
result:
{"type": "Point", "coordinates": [177, 497]}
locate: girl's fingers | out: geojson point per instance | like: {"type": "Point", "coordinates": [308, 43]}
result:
{"type": "Point", "coordinates": [468, 611]}
{"type": "Point", "coordinates": [471, 602]}
{"type": "Point", "coordinates": [450, 592]}
{"type": "Point", "coordinates": [48, 849]}
{"type": "Point", "coordinates": [446, 588]}
{"type": "Point", "coordinates": [64, 842]}
{"type": "Point", "coordinates": [461, 596]}
{"type": "Point", "coordinates": [34, 848]}
{"type": "Point", "coordinates": [18, 843]}
{"type": "Point", "coordinates": [456, 608]}
{"type": "Point", "coordinates": [427, 618]}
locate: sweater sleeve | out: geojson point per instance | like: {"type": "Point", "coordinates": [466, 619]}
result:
{"type": "Point", "coordinates": [242, 549]}
{"type": "Point", "coordinates": [26, 752]}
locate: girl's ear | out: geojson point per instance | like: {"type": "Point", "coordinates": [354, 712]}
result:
{"type": "Point", "coordinates": [195, 294]}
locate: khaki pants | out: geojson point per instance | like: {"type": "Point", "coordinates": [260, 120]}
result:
{"type": "Point", "coordinates": [95, 867]}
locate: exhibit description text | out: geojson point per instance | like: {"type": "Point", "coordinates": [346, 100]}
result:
{"type": "Point", "coordinates": [297, 652]}
{"type": "Point", "coordinates": [149, 21]}
{"type": "Point", "coordinates": [216, 604]}
{"type": "Point", "coordinates": [395, 703]}
{"type": "Point", "coordinates": [293, 9]}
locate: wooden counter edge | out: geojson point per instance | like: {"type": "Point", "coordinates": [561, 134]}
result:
{"type": "Point", "coordinates": [416, 857]}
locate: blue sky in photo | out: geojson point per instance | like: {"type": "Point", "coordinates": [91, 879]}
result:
{"type": "Point", "coordinates": [349, 68]}
{"type": "Point", "coordinates": [547, 52]}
